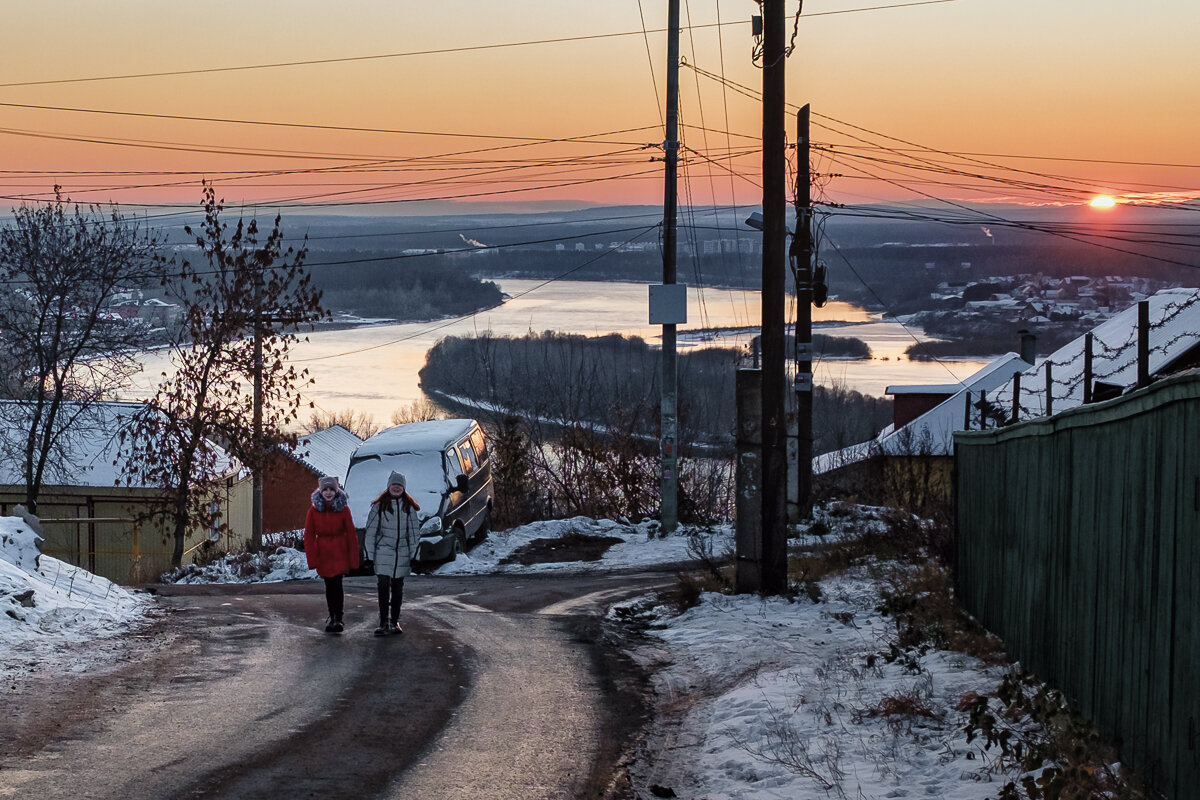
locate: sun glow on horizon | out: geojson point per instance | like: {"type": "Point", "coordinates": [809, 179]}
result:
{"type": "Point", "coordinates": [1102, 201]}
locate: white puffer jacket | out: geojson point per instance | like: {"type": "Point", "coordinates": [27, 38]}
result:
{"type": "Point", "coordinates": [392, 539]}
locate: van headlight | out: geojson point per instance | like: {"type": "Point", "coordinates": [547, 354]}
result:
{"type": "Point", "coordinates": [431, 526]}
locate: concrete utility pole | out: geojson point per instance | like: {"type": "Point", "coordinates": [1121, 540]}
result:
{"type": "Point", "coordinates": [801, 254]}
{"type": "Point", "coordinates": [774, 424]}
{"type": "Point", "coordinates": [669, 444]}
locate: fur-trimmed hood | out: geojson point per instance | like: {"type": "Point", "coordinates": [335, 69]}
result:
{"type": "Point", "coordinates": [337, 504]}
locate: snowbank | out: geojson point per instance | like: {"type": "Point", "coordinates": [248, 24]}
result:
{"type": "Point", "coordinates": [48, 607]}
{"type": "Point", "coordinates": [641, 545]}
{"type": "Point", "coordinates": [761, 699]}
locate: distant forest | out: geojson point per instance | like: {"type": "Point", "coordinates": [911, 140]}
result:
{"type": "Point", "coordinates": [613, 381]}
{"type": "Point", "coordinates": [403, 289]}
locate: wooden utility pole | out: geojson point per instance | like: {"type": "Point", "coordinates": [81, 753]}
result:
{"type": "Point", "coordinates": [802, 269]}
{"type": "Point", "coordinates": [669, 443]}
{"type": "Point", "coordinates": [774, 423]}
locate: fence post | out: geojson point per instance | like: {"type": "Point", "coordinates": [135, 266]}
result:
{"type": "Point", "coordinates": [1016, 397]}
{"type": "Point", "coordinates": [1049, 389]}
{"type": "Point", "coordinates": [1087, 368]}
{"type": "Point", "coordinates": [1143, 345]}
{"type": "Point", "coordinates": [967, 413]}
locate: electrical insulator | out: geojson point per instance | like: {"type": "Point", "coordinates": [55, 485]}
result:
{"type": "Point", "coordinates": [820, 287]}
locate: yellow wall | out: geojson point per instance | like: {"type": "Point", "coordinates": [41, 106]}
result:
{"type": "Point", "coordinates": [97, 529]}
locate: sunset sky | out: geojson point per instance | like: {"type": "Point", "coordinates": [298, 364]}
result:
{"type": "Point", "coordinates": [1049, 101]}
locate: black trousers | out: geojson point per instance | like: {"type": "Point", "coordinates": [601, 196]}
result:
{"type": "Point", "coordinates": [395, 588]}
{"type": "Point", "coordinates": [334, 597]}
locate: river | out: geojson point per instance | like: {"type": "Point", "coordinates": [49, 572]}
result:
{"type": "Point", "coordinates": [373, 369]}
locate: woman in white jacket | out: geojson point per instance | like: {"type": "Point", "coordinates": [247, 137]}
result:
{"type": "Point", "coordinates": [392, 534]}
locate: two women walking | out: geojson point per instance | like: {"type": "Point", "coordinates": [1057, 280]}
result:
{"type": "Point", "coordinates": [392, 534]}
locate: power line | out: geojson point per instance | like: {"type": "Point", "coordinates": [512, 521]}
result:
{"type": "Point", "coordinates": [312, 126]}
{"type": "Point", "coordinates": [351, 59]}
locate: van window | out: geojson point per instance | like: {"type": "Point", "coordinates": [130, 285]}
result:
{"type": "Point", "coordinates": [454, 464]}
{"type": "Point", "coordinates": [480, 444]}
{"type": "Point", "coordinates": [468, 457]}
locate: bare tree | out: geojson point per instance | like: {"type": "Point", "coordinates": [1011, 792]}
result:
{"type": "Point", "coordinates": [64, 347]}
{"type": "Point", "coordinates": [421, 410]}
{"type": "Point", "coordinates": [360, 423]}
{"type": "Point", "coordinates": [243, 282]}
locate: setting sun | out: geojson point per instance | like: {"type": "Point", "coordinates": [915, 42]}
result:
{"type": "Point", "coordinates": [1103, 201]}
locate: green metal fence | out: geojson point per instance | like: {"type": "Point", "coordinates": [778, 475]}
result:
{"type": "Point", "coordinates": [1078, 545]}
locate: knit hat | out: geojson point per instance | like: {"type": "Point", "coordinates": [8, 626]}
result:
{"type": "Point", "coordinates": [328, 482]}
{"type": "Point", "coordinates": [397, 477]}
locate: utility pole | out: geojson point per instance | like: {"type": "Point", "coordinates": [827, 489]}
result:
{"type": "Point", "coordinates": [669, 444]}
{"type": "Point", "coordinates": [256, 527]}
{"type": "Point", "coordinates": [262, 320]}
{"type": "Point", "coordinates": [802, 269]}
{"type": "Point", "coordinates": [774, 423]}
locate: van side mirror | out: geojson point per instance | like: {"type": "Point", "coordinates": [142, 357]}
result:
{"type": "Point", "coordinates": [460, 483]}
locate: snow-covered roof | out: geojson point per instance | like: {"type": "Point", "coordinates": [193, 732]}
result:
{"type": "Point", "coordinates": [932, 433]}
{"type": "Point", "coordinates": [90, 450]}
{"type": "Point", "coordinates": [415, 437]}
{"type": "Point", "coordinates": [929, 388]}
{"type": "Point", "coordinates": [325, 452]}
{"type": "Point", "coordinates": [1174, 332]}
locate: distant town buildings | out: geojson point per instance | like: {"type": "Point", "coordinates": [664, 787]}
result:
{"type": "Point", "coordinates": [1039, 298]}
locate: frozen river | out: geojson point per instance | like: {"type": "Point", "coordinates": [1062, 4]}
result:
{"type": "Point", "coordinates": [373, 369]}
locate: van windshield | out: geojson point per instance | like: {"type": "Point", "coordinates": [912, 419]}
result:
{"type": "Point", "coordinates": [368, 477]}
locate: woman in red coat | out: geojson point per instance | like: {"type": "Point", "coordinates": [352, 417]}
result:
{"type": "Point", "coordinates": [331, 545]}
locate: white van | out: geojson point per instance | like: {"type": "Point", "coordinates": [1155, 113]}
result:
{"type": "Point", "coordinates": [448, 468]}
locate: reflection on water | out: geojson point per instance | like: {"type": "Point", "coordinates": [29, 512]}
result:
{"type": "Point", "coordinates": [374, 369]}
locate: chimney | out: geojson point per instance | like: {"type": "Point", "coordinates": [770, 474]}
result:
{"type": "Point", "coordinates": [1028, 350]}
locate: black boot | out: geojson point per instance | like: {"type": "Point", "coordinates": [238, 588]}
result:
{"type": "Point", "coordinates": [395, 627]}
{"type": "Point", "coordinates": [382, 630]}
{"type": "Point", "coordinates": [338, 625]}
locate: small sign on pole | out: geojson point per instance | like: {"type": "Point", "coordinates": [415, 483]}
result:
{"type": "Point", "coordinates": [668, 303]}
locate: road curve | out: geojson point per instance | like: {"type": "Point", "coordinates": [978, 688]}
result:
{"type": "Point", "coordinates": [499, 688]}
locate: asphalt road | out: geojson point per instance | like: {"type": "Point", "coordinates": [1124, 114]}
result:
{"type": "Point", "coordinates": [500, 687]}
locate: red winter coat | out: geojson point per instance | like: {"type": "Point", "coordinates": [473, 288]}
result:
{"type": "Point", "coordinates": [330, 541]}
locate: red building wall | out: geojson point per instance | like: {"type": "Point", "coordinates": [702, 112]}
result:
{"type": "Point", "coordinates": [908, 406]}
{"type": "Point", "coordinates": [287, 493]}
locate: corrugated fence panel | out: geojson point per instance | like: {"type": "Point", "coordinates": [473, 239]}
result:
{"type": "Point", "coordinates": [1077, 544]}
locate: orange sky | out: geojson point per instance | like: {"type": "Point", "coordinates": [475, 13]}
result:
{"type": "Point", "coordinates": [1091, 80]}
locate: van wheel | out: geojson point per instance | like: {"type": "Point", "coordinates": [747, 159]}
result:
{"type": "Point", "coordinates": [459, 544]}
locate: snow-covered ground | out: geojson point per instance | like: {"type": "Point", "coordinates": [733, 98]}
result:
{"type": "Point", "coordinates": [775, 699]}
{"type": "Point", "coordinates": [759, 699]}
{"type": "Point", "coordinates": [49, 610]}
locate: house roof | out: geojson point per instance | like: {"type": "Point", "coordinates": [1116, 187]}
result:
{"type": "Point", "coordinates": [325, 452]}
{"type": "Point", "coordinates": [932, 433]}
{"type": "Point", "coordinates": [930, 388]}
{"type": "Point", "coordinates": [1174, 333]}
{"type": "Point", "coordinates": [89, 451]}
